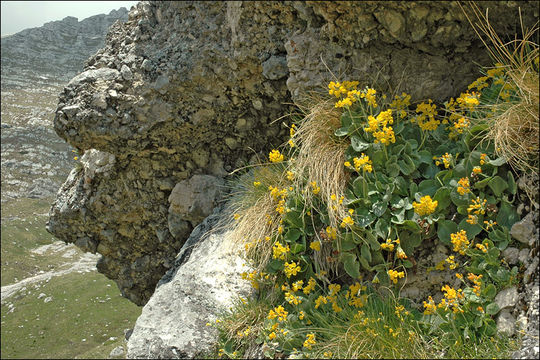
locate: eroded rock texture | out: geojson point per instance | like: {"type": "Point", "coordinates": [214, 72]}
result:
{"type": "Point", "coordinates": [193, 88]}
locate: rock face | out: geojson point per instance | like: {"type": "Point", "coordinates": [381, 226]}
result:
{"type": "Point", "coordinates": [204, 282]}
{"type": "Point", "coordinates": [58, 47]}
{"type": "Point", "coordinates": [193, 88]}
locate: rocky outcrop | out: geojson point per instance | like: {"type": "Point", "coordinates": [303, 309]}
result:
{"type": "Point", "coordinates": [184, 89]}
{"type": "Point", "coordinates": [58, 47]}
{"type": "Point", "coordinates": [203, 283]}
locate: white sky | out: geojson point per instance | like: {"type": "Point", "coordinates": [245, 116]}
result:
{"type": "Point", "coordinates": [20, 15]}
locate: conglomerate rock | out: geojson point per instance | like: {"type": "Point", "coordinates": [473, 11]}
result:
{"type": "Point", "coordinates": [195, 88]}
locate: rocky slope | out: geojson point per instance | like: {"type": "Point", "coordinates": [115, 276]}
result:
{"type": "Point", "coordinates": [184, 89]}
{"type": "Point", "coordinates": [58, 47]}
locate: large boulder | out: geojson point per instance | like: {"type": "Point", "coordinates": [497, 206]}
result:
{"type": "Point", "coordinates": [195, 88]}
{"type": "Point", "coordinates": [202, 284]}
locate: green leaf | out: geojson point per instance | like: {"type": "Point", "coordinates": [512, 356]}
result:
{"type": "Point", "coordinates": [512, 187]}
{"type": "Point", "coordinates": [274, 266]}
{"type": "Point", "coordinates": [407, 264]}
{"type": "Point", "coordinates": [471, 230]}
{"type": "Point", "coordinates": [347, 242]}
{"type": "Point", "coordinates": [459, 200]}
{"type": "Point", "coordinates": [365, 253]}
{"type": "Point", "coordinates": [482, 183]}
{"type": "Point", "coordinates": [462, 209]}
{"type": "Point", "coordinates": [498, 185]}
{"type": "Point", "coordinates": [357, 144]}
{"type": "Point", "coordinates": [401, 186]}
{"type": "Point", "coordinates": [413, 189]}
{"type": "Point", "coordinates": [365, 220]}
{"type": "Point", "coordinates": [379, 208]}
{"type": "Point", "coordinates": [392, 169]}
{"type": "Point", "coordinates": [425, 156]}
{"type": "Point", "coordinates": [372, 240]}
{"type": "Point", "coordinates": [507, 215]}
{"type": "Point", "coordinates": [442, 195]}
{"type": "Point", "coordinates": [351, 265]}
{"type": "Point", "coordinates": [364, 263]}
{"type": "Point", "coordinates": [408, 240]}
{"type": "Point", "coordinates": [398, 216]}
{"type": "Point", "coordinates": [294, 218]}
{"type": "Point", "coordinates": [428, 187]}
{"type": "Point", "coordinates": [412, 226]}
{"type": "Point", "coordinates": [489, 291]}
{"type": "Point", "coordinates": [292, 235]}
{"type": "Point", "coordinates": [406, 165]}
{"type": "Point", "coordinates": [342, 131]}
{"type": "Point", "coordinates": [444, 229]}
{"type": "Point", "coordinates": [500, 238]}
{"type": "Point", "coordinates": [296, 248]}
{"type": "Point", "coordinates": [497, 162]}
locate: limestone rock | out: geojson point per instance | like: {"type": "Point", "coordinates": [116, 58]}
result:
{"type": "Point", "coordinates": [507, 298]}
{"type": "Point", "coordinates": [205, 280]}
{"type": "Point", "coordinates": [194, 199]}
{"type": "Point", "coordinates": [506, 323]}
{"type": "Point", "coordinates": [511, 255]}
{"type": "Point", "coordinates": [524, 230]}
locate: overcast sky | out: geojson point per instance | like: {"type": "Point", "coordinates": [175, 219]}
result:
{"type": "Point", "coordinates": [20, 15]}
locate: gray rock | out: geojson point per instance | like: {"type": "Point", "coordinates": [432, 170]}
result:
{"type": "Point", "coordinates": [532, 270]}
{"type": "Point", "coordinates": [524, 256]}
{"type": "Point", "coordinates": [194, 199]}
{"type": "Point", "coordinates": [507, 298]}
{"type": "Point", "coordinates": [524, 230]}
{"type": "Point", "coordinates": [506, 323]}
{"type": "Point", "coordinates": [117, 352]}
{"type": "Point", "coordinates": [173, 322]}
{"type": "Point", "coordinates": [126, 72]}
{"type": "Point", "coordinates": [511, 255]}
{"type": "Point", "coordinates": [275, 68]}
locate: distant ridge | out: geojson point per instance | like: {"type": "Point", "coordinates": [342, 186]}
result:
{"type": "Point", "coordinates": [59, 47]}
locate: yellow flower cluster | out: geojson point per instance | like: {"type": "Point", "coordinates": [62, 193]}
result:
{"type": "Point", "coordinates": [453, 298]}
{"type": "Point", "coordinates": [447, 160]}
{"type": "Point", "coordinates": [468, 100]}
{"type": "Point", "coordinates": [331, 232]}
{"type": "Point", "coordinates": [451, 261]}
{"type": "Point", "coordinates": [346, 88]}
{"type": "Point", "coordinates": [279, 251]}
{"type": "Point", "coordinates": [426, 206]}
{"type": "Point", "coordinates": [482, 247]}
{"type": "Point", "coordinates": [292, 299]}
{"type": "Point", "coordinates": [369, 95]}
{"type": "Point", "coordinates": [477, 170]}
{"type": "Point", "coordinates": [429, 307]}
{"type": "Point", "coordinates": [275, 156]}
{"type": "Point", "coordinates": [477, 206]}
{"type": "Point", "coordinates": [464, 186]}
{"type": "Point", "coordinates": [291, 269]}
{"type": "Point", "coordinates": [363, 163]}
{"type": "Point", "coordinates": [279, 312]}
{"type": "Point", "coordinates": [388, 245]}
{"type": "Point", "coordinates": [483, 159]}
{"type": "Point", "coordinates": [353, 294]}
{"type": "Point", "coordinates": [427, 112]}
{"type": "Point", "coordinates": [320, 300]}
{"type": "Point", "coordinates": [347, 221]}
{"type": "Point", "coordinates": [310, 286]}
{"type": "Point", "coordinates": [400, 103]}
{"type": "Point", "coordinates": [292, 132]}
{"type": "Point", "coordinates": [460, 241]}
{"type": "Point", "coordinates": [395, 275]}
{"type": "Point", "coordinates": [400, 253]}
{"type": "Point", "coordinates": [477, 280]}
{"type": "Point", "coordinates": [252, 277]}
{"type": "Point", "coordinates": [315, 187]}
{"type": "Point", "coordinates": [315, 245]}
{"type": "Point", "coordinates": [380, 129]}
{"type": "Point", "coordinates": [310, 340]}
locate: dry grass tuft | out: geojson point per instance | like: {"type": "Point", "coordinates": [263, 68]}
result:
{"type": "Point", "coordinates": [255, 207]}
{"type": "Point", "coordinates": [320, 158]}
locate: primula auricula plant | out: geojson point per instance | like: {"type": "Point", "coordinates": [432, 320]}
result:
{"type": "Point", "coordinates": [416, 173]}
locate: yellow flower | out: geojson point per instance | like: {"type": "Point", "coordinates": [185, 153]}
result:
{"type": "Point", "coordinates": [297, 285]}
{"type": "Point", "coordinates": [483, 159]}
{"type": "Point", "coordinates": [331, 232]}
{"type": "Point", "coordinates": [315, 188]}
{"type": "Point", "coordinates": [320, 300]}
{"type": "Point", "coordinates": [310, 340]}
{"type": "Point", "coordinates": [236, 216]}
{"type": "Point", "coordinates": [291, 143]}
{"type": "Point", "coordinates": [429, 306]}
{"type": "Point", "coordinates": [460, 241]}
{"type": "Point", "coordinates": [347, 221]}
{"type": "Point", "coordinates": [290, 175]}
{"type": "Point", "coordinates": [427, 111]}
{"type": "Point", "coordinates": [426, 206]}
{"type": "Point", "coordinates": [278, 312]}
{"type": "Point", "coordinates": [310, 286]}
{"type": "Point", "coordinates": [388, 245]}
{"type": "Point", "coordinates": [347, 164]}
{"type": "Point", "coordinates": [256, 183]}
{"type": "Point", "coordinates": [477, 170]}
{"type": "Point", "coordinates": [302, 315]}
{"type": "Point", "coordinates": [400, 253]}
{"type": "Point", "coordinates": [75, 158]}
{"type": "Point", "coordinates": [291, 269]}
{"type": "Point", "coordinates": [464, 186]}
{"type": "Point", "coordinates": [279, 251]}
{"type": "Point", "coordinates": [315, 245]}
{"type": "Point", "coordinates": [272, 335]}
{"type": "Point", "coordinates": [394, 275]}
{"type": "Point", "coordinates": [477, 206]}
{"type": "Point", "coordinates": [275, 156]}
